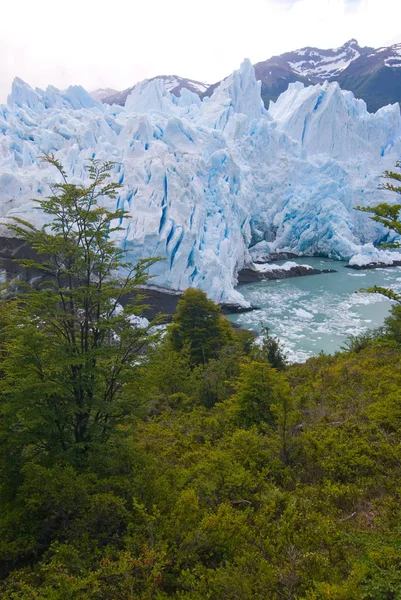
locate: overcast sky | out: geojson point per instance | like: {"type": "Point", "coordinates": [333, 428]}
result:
{"type": "Point", "coordinates": [115, 43]}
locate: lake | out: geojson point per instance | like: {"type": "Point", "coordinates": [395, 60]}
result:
{"type": "Point", "coordinates": [317, 313]}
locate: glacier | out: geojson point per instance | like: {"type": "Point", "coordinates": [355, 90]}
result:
{"type": "Point", "coordinates": [211, 186]}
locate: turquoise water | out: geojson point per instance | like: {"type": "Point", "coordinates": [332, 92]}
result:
{"type": "Point", "coordinates": [318, 312]}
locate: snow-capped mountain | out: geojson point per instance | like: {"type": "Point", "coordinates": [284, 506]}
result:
{"type": "Point", "coordinates": [373, 75]}
{"type": "Point", "coordinates": [211, 185]}
{"type": "Point", "coordinates": [102, 93]}
{"type": "Point", "coordinates": [320, 65]}
{"type": "Point", "coordinates": [172, 83]}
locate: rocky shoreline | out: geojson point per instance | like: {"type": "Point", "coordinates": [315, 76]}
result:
{"type": "Point", "coordinates": [158, 301]}
{"type": "Point", "coordinates": [396, 263]}
{"type": "Point", "coordinates": [252, 275]}
{"type": "Point", "coordinates": [164, 302]}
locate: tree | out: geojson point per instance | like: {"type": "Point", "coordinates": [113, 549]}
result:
{"type": "Point", "coordinates": [272, 350]}
{"type": "Point", "coordinates": [357, 343]}
{"type": "Point", "coordinates": [69, 346]}
{"type": "Point", "coordinates": [389, 216]}
{"type": "Point", "coordinates": [199, 325]}
{"type": "Point", "coordinates": [257, 392]}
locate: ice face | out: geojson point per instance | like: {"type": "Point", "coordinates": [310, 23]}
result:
{"type": "Point", "coordinates": [210, 184]}
{"type": "Point", "coordinates": [238, 94]}
{"type": "Point", "coordinates": [326, 120]}
{"type": "Point", "coordinates": [149, 96]}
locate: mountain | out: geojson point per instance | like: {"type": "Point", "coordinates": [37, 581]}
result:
{"type": "Point", "coordinates": [212, 185]}
{"type": "Point", "coordinates": [102, 93]}
{"type": "Point", "coordinates": [372, 75]}
{"type": "Point", "coordinates": [307, 65]}
{"type": "Point", "coordinates": [319, 65]}
{"type": "Point", "coordinates": [172, 84]}
{"type": "Point", "coordinates": [375, 77]}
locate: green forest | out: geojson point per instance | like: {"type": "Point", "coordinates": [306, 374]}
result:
{"type": "Point", "coordinates": [190, 461]}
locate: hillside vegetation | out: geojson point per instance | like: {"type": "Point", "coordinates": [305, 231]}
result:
{"type": "Point", "coordinates": [235, 480]}
{"type": "Point", "coordinates": [190, 465]}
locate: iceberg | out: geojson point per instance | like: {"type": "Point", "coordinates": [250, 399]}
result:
{"type": "Point", "coordinates": [209, 185]}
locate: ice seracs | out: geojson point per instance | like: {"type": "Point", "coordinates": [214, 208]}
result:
{"type": "Point", "coordinates": [327, 120]}
{"type": "Point", "coordinates": [238, 94]}
{"type": "Point", "coordinates": [211, 185]}
{"type": "Point", "coordinates": [75, 97]}
{"type": "Point", "coordinates": [148, 96]}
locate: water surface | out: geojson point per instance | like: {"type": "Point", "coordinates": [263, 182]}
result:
{"type": "Point", "coordinates": [317, 313]}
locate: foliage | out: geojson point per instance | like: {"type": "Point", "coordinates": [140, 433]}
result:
{"type": "Point", "coordinates": [393, 324]}
{"type": "Point", "coordinates": [256, 393]}
{"type": "Point", "coordinates": [288, 487]}
{"type": "Point", "coordinates": [68, 345]}
{"type": "Point", "coordinates": [199, 325]}
{"type": "Point", "coordinates": [387, 215]}
{"type": "Point", "coordinates": [271, 350]}
{"type": "Point", "coordinates": [356, 343]}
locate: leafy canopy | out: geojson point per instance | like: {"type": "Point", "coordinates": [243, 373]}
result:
{"type": "Point", "coordinates": [68, 344]}
{"type": "Point", "coordinates": [389, 216]}
{"type": "Point", "coordinates": [199, 325]}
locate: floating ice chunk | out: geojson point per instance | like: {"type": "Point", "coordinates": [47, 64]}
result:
{"type": "Point", "coordinates": [139, 322]}
{"type": "Point", "coordinates": [287, 266]}
{"type": "Point", "coordinates": [303, 314]}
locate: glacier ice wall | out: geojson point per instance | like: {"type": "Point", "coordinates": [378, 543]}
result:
{"type": "Point", "coordinates": [209, 185]}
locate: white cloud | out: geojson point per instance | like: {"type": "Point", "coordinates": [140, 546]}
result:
{"type": "Point", "coordinates": [101, 43]}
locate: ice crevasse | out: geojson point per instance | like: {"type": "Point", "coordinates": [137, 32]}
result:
{"type": "Point", "coordinates": [211, 185]}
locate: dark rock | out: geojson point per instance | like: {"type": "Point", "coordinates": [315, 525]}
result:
{"type": "Point", "coordinates": [251, 276]}
{"type": "Point", "coordinates": [158, 303]}
{"type": "Point", "coordinates": [230, 309]}
{"type": "Point", "coordinates": [396, 263]}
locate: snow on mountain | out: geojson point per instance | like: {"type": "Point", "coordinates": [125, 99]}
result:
{"type": "Point", "coordinates": [319, 65]}
{"type": "Point", "coordinates": [210, 184]}
{"type": "Point", "coordinates": [389, 56]}
{"type": "Point", "coordinates": [102, 93]}
{"type": "Point", "coordinates": [375, 76]}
